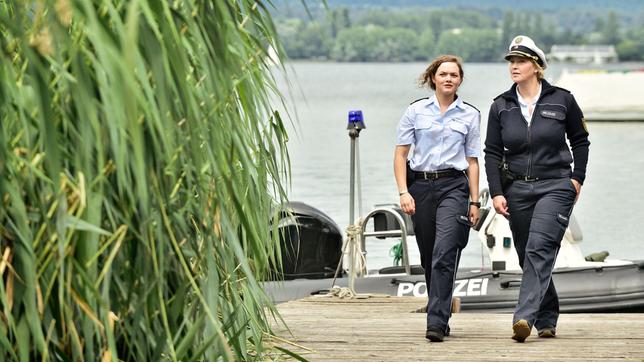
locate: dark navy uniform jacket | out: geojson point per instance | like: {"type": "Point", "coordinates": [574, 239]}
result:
{"type": "Point", "coordinates": [540, 149]}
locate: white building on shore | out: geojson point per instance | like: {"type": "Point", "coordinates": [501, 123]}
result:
{"type": "Point", "coordinates": [607, 95]}
{"type": "Point", "coordinates": [584, 54]}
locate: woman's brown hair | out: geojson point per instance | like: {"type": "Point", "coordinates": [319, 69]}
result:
{"type": "Point", "coordinates": [430, 72]}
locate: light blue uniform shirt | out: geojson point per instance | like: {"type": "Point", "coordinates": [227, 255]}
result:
{"type": "Point", "coordinates": [440, 141]}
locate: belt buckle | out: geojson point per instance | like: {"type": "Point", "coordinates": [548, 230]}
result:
{"type": "Point", "coordinates": [431, 175]}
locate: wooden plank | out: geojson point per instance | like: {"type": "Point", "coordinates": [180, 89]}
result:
{"type": "Point", "coordinates": [389, 329]}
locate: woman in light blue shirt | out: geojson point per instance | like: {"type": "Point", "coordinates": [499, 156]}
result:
{"type": "Point", "coordinates": [436, 183]}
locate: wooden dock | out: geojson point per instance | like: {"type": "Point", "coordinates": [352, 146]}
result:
{"type": "Point", "coordinates": [389, 329]}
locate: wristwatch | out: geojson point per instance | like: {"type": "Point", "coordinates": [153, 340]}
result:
{"type": "Point", "coordinates": [475, 203]}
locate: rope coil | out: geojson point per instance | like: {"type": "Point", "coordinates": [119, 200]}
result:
{"type": "Point", "coordinates": [341, 292]}
{"type": "Point", "coordinates": [347, 293]}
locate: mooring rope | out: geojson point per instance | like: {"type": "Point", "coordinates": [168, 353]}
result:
{"type": "Point", "coordinates": [359, 263]}
{"type": "Point", "coordinates": [353, 247]}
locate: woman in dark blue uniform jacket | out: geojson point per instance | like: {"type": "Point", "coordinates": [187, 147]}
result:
{"type": "Point", "coordinates": [527, 130]}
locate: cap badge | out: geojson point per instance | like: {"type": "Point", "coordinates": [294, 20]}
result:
{"type": "Point", "coordinates": [518, 39]}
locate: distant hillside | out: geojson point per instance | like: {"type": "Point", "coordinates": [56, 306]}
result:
{"type": "Point", "coordinates": [417, 30]}
{"type": "Point", "coordinates": [620, 6]}
{"type": "Point", "coordinates": [577, 15]}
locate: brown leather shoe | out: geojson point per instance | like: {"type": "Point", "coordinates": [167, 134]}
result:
{"type": "Point", "coordinates": [548, 332]}
{"type": "Point", "coordinates": [521, 330]}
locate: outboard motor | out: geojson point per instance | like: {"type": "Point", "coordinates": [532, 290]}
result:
{"type": "Point", "coordinates": [311, 243]}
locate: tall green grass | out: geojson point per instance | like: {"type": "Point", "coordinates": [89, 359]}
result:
{"type": "Point", "coordinates": [140, 166]}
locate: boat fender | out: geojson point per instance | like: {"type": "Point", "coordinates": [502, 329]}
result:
{"type": "Point", "coordinates": [599, 256]}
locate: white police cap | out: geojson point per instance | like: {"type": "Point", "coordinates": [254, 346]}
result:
{"type": "Point", "coordinates": [523, 46]}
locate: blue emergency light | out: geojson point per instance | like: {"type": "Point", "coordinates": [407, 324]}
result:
{"type": "Point", "coordinates": [356, 120]}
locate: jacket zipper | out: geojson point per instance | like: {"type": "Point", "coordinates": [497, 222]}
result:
{"type": "Point", "coordinates": [529, 125]}
{"type": "Point", "coordinates": [527, 172]}
{"type": "Point", "coordinates": [536, 104]}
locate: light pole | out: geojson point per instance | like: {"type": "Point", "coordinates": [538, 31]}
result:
{"type": "Point", "coordinates": [355, 125]}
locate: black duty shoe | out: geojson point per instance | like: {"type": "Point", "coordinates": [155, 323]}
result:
{"type": "Point", "coordinates": [435, 334]}
{"type": "Point", "coordinates": [521, 330]}
{"type": "Point", "coordinates": [548, 332]}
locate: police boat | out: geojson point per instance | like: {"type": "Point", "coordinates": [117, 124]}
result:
{"type": "Point", "coordinates": [312, 258]}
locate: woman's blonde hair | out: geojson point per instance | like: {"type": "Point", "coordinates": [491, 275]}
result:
{"type": "Point", "coordinates": [426, 78]}
{"type": "Point", "coordinates": [540, 71]}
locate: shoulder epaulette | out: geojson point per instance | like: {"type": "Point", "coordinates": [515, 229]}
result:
{"type": "Point", "coordinates": [471, 105]}
{"type": "Point", "coordinates": [497, 97]}
{"type": "Point", "coordinates": [419, 99]}
{"type": "Point", "coordinates": [563, 89]}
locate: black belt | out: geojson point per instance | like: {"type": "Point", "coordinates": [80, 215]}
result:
{"type": "Point", "coordinates": [533, 178]}
{"type": "Point", "coordinates": [527, 178]}
{"type": "Point", "coordinates": [433, 175]}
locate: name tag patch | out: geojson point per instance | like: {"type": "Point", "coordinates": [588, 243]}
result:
{"type": "Point", "coordinates": [553, 114]}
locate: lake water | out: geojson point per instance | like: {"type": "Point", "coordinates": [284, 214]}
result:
{"type": "Point", "coordinates": [610, 210]}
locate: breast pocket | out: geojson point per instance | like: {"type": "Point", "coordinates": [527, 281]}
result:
{"type": "Point", "coordinates": [423, 123]}
{"type": "Point", "coordinates": [456, 132]}
{"type": "Point", "coordinates": [552, 119]}
{"type": "Point", "coordinates": [425, 130]}
{"type": "Point", "coordinates": [553, 112]}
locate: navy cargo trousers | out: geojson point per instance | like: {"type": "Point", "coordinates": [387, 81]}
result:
{"type": "Point", "coordinates": [441, 224]}
{"type": "Point", "coordinates": [539, 214]}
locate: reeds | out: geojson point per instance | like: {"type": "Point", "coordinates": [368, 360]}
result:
{"type": "Point", "coordinates": [140, 166]}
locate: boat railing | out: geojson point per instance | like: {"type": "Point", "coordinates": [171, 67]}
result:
{"type": "Point", "coordinates": [388, 216]}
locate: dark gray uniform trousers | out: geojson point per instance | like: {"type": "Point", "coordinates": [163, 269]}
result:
{"type": "Point", "coordinates": [539, 214]}
{"type": "Point", "coordinates": [441, 224]}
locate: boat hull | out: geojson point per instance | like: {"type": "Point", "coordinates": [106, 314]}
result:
{"type": "Point", "coordinates": [580, 290]}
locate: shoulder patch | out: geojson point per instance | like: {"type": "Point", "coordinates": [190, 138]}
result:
{"type": "Point", "coordinates": [419, 99]}
{"type": "Point", "coordinates": [583, 123]}
{"type": "Point", "coordinates": [471, 105]}
{"type": "Point", "coordinates": [563, 89]}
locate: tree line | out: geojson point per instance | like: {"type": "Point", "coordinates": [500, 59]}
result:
{"type": "Point", "coordinates": [387, 35]}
